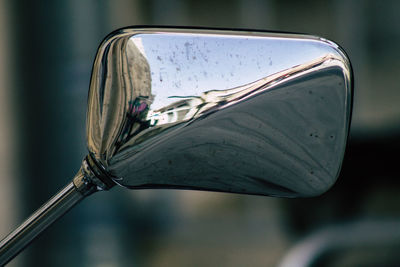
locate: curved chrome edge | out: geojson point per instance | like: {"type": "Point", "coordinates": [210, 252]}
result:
{"type": "Point", "coordinates": [91, 178]}
{"type": "Point", "coordinates": [344, 62]}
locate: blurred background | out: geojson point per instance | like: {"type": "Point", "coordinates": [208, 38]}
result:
{"type": "Point", "coordinates": [46, 53]}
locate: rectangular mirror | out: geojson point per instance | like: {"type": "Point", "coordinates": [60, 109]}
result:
{"type": "Point", "coordinates": [236, 111]}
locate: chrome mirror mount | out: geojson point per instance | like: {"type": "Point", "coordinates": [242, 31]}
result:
{"type": "Point", "coordinates": [221, 110]}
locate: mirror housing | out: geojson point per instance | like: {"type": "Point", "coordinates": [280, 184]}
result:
{"type": "Point", "coordinates": [221, 110]}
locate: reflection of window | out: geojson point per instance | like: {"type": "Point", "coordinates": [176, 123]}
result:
{"type": "Point", "coordinates": [181, 110]}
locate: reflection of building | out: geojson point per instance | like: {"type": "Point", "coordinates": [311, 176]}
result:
{"type": "Point", "coordinates": [137, 78]}
{"type": "Point", "coordinates": [138, 72]}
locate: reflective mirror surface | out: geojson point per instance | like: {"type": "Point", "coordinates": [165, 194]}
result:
{"type": "Point", "coordinates": [246, 112]}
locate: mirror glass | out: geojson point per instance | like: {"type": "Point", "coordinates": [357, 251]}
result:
{"type": "Point", "coordinates": [233, 111]}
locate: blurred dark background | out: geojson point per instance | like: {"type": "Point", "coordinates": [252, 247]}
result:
{"type": "Point", "coordinates": [46, 54]}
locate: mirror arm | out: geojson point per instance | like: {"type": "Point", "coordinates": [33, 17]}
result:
{"type": "Point", "coordinates": [84, 183]}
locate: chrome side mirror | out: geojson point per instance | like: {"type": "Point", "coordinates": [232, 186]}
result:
{"type": "Point", "coordinates": [233, 111]}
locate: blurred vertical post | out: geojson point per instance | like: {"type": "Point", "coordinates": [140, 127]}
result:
{"type": "Point", "coordinates": [8, 183]}
{"type": "Point", "coordinates": [54, 46]}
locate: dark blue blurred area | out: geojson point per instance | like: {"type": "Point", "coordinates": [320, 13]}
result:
{"type": "Point", "coordinates": [47, 49]}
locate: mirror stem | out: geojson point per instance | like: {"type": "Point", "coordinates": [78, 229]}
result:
{"type": "Point", "coordinates": [82, 185]}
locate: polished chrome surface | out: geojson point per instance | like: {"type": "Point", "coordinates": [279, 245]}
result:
{"type": "Point", "coordinates": [247, 112]}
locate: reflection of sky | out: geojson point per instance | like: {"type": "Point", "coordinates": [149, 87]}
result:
{"type": "Point", "coordinates": [188, 64]}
